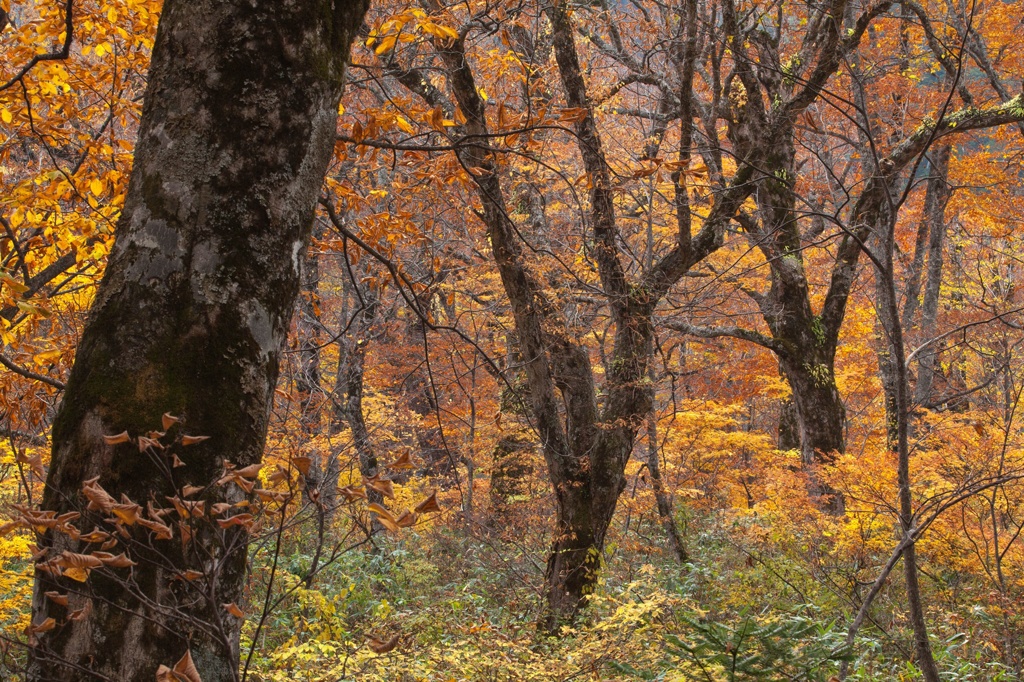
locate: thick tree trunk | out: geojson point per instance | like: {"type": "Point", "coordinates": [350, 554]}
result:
{"type": "Point", "coordinates": [237, 129]}
{"type": "Point", "coordinates": [821, 416]}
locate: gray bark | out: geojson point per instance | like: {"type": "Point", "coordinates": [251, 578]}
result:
{"type": "Point", "coordinates": [238, 126]}
{"type": "Point", "coordinates": [936, 197]}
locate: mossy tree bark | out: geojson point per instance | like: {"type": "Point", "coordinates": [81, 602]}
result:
{"type": "Point", "coordinates": [238, 126]}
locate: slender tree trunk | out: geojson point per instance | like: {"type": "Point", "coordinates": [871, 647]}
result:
{"type": "Point", "coordinates": [661, 496]}
{"type": "Point", "coordinates": [307, 379]}
{"type": "Point", "coordinates": [898, 418]}
{"type": "Point", "coordinates": [348, 390]}
{"type": "Point", "coordinates": [237, 128]}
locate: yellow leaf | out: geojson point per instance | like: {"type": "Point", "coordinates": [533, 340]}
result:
{"type": "Point", "coordinates": [5, 115]}
{"type": "Point", "coordinates": [76, 573]}
{"type": "Point", "coordinates": [46, 357]}
{"type": "Point", "coordinates": [33, 309]}
{"type": "Point", "coordinates": [404, 125]}
{"type": "Point", "coordinates": [96, 186]}
{"type": "Point", "coordinates": [385, 45]}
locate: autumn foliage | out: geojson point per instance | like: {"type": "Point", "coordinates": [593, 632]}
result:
{"type": "Point", "coordinates": [767, 251]}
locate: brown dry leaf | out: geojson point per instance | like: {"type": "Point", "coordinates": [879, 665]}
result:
{"type": "Point", "coordinates": [96, 535]}
{"type": "Point", "coordinates": [382, 485]}
{"type": "Point", "coordinates": [379, 510]}
{"type": "Point", "coordinates": [251, 471]}
{"type": "Point", "coordinates": [163, 532]}
{"type": "Point", "coordinates": [384, 517]}
{"type": "Point", "coordinates": [380, 646]}
{"type": "Point", "coordinates": [302, 464]}
{"type": "Point", "coordinates": [188, 508]}
{"type": "Point", "coordinates": [186, 669]}
{"type": "Point", "coordinates": [190, 490]}
{"type": "Point", "coordinates": [280, 474]}
{"type": "Point", "coordinates": [352, 494]}
{"type": "Point", "coordinates": [168, 420]}
{"type": "Point", "coordinates": [146, 443]}
{"type": "Point", "coordinates": [244, 520]}
{"type": "Point", "coordinates": [428, 505]}
{"type": "Point", "coordinates": [128, 512]}
{"type": "Point", "coordinates": [122, 437]}
{"type": "Point", "coordinates": [233, 609]}
{"type": "Point", "coordinates": [82, 613]}
{"type": "Point", "coordinates": [271, 495]}
{"type": "Point", "coordinates": [176, 462]}
{"type": "Point", "coordinates": [186, 533]}
{"type": "Point", "coordinates": [156, 435]}
{"type": "Point", "coordinates": [73, 560]}
{"type": "Point", "coordinates": [389, 522]}
{"type": "Point", "coordinates": [57, 598]}
{"type": "Point", "coordinates": [99, 499]}
{"type": "Point", "coordinates": [192, 440]}
{"type": "Point", "coordinates": [404, 461]}
{"type": "Point", "coordinates": [45, 626]}
{"type": "Point", "coordinates": [119, 561]}
{"type": "Point", "coordinates": [157, 514]}
{"type": "Point", "coordinates": [8, 527]}
{"type": "Point", "coordinates": [219, 508]}
{"type": "Point", "coordinates": [407, 519]}
{"type": "Point", "coordinates": [189, 575]}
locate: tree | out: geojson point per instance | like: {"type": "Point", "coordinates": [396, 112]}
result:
{"type": "Point", "coordinates": [237, 129]}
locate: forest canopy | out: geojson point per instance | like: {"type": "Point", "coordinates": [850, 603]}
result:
{"type": "Point", "coordinates": [511, 340]}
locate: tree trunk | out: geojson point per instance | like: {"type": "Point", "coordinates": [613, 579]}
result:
{"type": "Point", "coordinates": [789, 425]}
{"type": "Point", "coordinates": [307, 378]}
{"type": "Point", "coordinates": [936, 197]}
{"type": "Point", "coordinates": [237, 129]}
{"type": "Point", "coordinates": [661, 496]}
{"type": "Point", "coordinates": [897, 388]}
{"type": "Point", "coordinates": [348, 390]}
{"type": "Point", "coordinates": [821, 418]}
